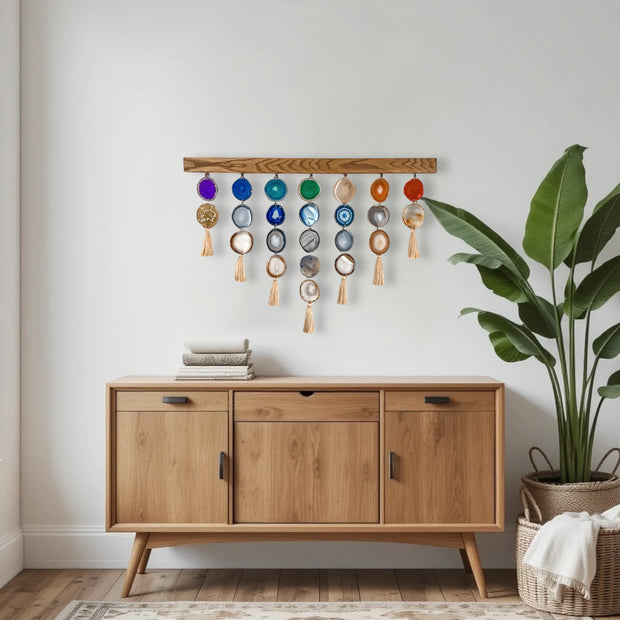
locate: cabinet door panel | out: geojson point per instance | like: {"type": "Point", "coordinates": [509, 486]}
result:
{"type": "Point", "coordinates": [168, 467]}
{"type": "Point", "coordinates": [444, 467]}
{"type": "Point", "coordinates": [306, 472]}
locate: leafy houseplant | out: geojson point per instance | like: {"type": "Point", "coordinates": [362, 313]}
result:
{"type": "Point", "coordinates": [553, 237]}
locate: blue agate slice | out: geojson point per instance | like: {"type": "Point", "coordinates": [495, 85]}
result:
{"type": "Point", "coordinates": [344, 240]}
{"type": "Point", "coordinates": [344, 215]}
{"type": "Point", "coordinates": [275, 189]}
{"type": "Point", "coordinates": [309, 214]}
{"type": "Point", "coordinates": [242, 189]}
{"type": "Point", "coordinates": [242, 216]}
{"type": "Point", "coordinates": [275, 215]}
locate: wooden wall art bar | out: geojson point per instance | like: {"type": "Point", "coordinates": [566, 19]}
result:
{"type": "Point", "coordinates": [305, 165]}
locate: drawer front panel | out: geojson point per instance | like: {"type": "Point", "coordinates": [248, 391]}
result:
{"type": "Point", "coordinates": [172, 400]}
{"type": "Point", "coordinates": [440, 400]}
{"type": "Point", "coordinates": [306, 406]}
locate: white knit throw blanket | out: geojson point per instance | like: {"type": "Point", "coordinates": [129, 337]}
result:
{"type": "Point", "coordinates": [563, 552]}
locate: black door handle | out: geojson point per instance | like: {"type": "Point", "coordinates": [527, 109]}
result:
{"type": "Point", "coordinates": [437, 400]}
{"type": "Point", "coordinates": [222, 462]}
{"type": "Point", "coordinates": [174, 400]}
{"type": "Point", "coordinates": [391, 465]}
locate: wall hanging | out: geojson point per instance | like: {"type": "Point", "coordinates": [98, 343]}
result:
{"type": "Point", "coordinates": [309, 189]}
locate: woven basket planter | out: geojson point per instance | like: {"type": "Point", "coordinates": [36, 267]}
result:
{"type": "Point", "coordinates": [554, 498]}
{"type": "Point", "coordinates": [605, 588]}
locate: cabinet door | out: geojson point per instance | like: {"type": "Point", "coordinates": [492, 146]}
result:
{"type": "Point", "coordinates": [441, 467]}
{"type": "Point", "coordinates": [306, 472]}
{"type": "Point", "coordinates": [168, 467]}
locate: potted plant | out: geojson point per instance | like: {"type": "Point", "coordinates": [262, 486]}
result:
{"type": "Point", "coordinates": [555, 328]}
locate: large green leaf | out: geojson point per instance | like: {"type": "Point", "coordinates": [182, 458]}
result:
{"type": "Point", "coordinates": [539, 317]}
{"type": "Point", "coordinates": [597, 287]}
{"type": "Point", "coordinates": [504, 348]}
{"type": "Point", "coordinates": [607, 345]}
{"type": "Point", "coordinates": [478, 235]}
{"type": "Point", "coordinates": [599, 228]}
{"type": "Point", "coordinates": [475, 259]}
{"type": "Point", "coordinates": [612, 389]}
{"type": "Point", "coordinates": [519, 336]}
{"type": "Point", "coordinates": [557, 210]}
{"type": "Point", "coordinates": [502, 282]}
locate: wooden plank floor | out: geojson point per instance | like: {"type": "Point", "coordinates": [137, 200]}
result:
{"type": "Point", "coordinates": [42, 594]}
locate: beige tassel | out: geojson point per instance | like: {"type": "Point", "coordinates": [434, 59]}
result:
{"type": "Point", "coordinates": [309, 321]}
{"type": "Point", "coordinates": [239, 270]}
{"type": "Point", "coordinates": [413, 246]}
{"type": "Point", "coordinates": [207, 245]}
{"type": "Point", "coordinates": [274, 295]}
{"type": "Point", "coordinates": [378, 278]}
{"type": "Point", "coordinates": [342, 293]}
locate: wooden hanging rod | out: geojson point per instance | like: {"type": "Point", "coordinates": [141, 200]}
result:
{"type": "Point", "coordinates": [304, 165]}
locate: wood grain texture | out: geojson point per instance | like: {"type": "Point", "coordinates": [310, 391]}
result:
{"type": "Point", "coordinates": [219, 585]}
{"type": "Point", "coordinates": [292, 472]}
{"type": "Point", "coordinates": [152, 401]}
{"type": "Point", "coordinates": [460, 400]}
{"type": "Point", "coordinates": [444, 467]}
{"type": "Point", "coordinates": [297, 585]}
{"type": "Point", "coordinates": [314, 407]}
{"type": "Point", "coordinates": [167, 467]}
{"type": "Point", "coordinates": [304, 165]}
{"type": "Point", "coordinates": [337, 585]}
{"type": "Point", "coordinates": [377, 585]}
{"type": "Point", "coordinates": [258, 585]}
{"type": "Point", "coordinates": [418, 585]}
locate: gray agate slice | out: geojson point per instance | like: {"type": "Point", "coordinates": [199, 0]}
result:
{"type": "Point", "coordinates": [309, 265]}
{"type": "Point", "coordinates": [276, 240]}
{"type": "Point", "coordinates": [344, 240]}
{"type": "Point", "coordinates": [378, 216]}
{"type": "Point", "coordinates": [242, 216]}
{"type": "Point", "coordinates": [309, 240]}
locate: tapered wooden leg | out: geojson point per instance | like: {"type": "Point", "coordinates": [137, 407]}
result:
{"type": "Point", "coordinates": [137, 551]}
{"type": "Point", "coordinates": [466, 564]}
{"type": "Point", "coordinates": [144, 561]}
{"type": "Point", "coordinates": [471, 549]}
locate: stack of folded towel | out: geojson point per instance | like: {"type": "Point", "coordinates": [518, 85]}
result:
{"type": "Point", "coordinates": [216, 360]}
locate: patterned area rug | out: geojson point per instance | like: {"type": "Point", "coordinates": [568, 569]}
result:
{"type": "Point", "coordinates": [84, 610]}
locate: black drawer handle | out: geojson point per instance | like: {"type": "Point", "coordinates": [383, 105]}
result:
{"type": "Point", "coordinates": [306, 394]}
{"type": "Point", "coordinates": [391, 463]}
{"type": "Point", "coordinates": [437, 400]}
{"type": "Point", "coordinates": [174, 400]}
{"type": "Point", "coordinates": [222, 462]}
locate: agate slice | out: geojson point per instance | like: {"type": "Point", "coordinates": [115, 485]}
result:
{"type": "Point", "coordinates": [344, 241]}
{"type": "Point", "coordinates": [308, 189]}
{"type": "Point", "coordinates": [379, 242]}
{"type": "Point", "coordinates": [378, 216]}
{"type": "Point", "coordinates": [242, 189]}
{"type": "Point", "coordinates": [207, 215]}
{"type": "Point", "coordinates": [413, 216]}
{"type": "Point", "coordinates": [414, 189]}
{"type": "Point", "coordinates": [309, 214]}
{"type": "Point", "coordinates": [344, 215]}
{"type": "Point", "coordinates": [275, 189]}
{"type": "Point", "coordinates": [275, 215]}
{"type": "Point", "coordinates": [309, 291]}
{"type": "Point", "coordinates": [309, 265]}
{"type": "Point", "coordinates": [207, 188]}
{"type": "Point", "coordinates": [379, 189]}
{"type": "Point", "coordinates": [241, 242]}
{"type": "Point", "coordinates": [345, 264]}
{"type": "Point", "coordinates": [309, 240]}
{"type": "Point", "coordinates": [276, 240]}
{"type": "Point", "coordinates": [344, 190]}
{"type": "Point", "coordinates": [276, 266]}
{"type": "Point", "coordinates": [242, 216]}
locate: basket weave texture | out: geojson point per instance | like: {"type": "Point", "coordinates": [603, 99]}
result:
{"type": "Point", "coordinates": [605, 588]}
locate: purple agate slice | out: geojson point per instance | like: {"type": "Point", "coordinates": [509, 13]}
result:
{"type": "Point", "coordinates": [207, 189]}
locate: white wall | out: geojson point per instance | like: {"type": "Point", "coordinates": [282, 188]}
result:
{"type": "Point", "coordinates": [11, 541]}
{"type": "Point", "coordinates": [116, 93]}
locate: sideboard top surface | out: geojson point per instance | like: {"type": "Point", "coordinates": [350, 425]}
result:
{"type": "Point", "coordinates": [309, 382]}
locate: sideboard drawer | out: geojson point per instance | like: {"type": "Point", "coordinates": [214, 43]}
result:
{"type": "Point", "coordinates": [306, 406]}
{"type": "Point", "coordinates": [171, 400]}
{"type": "Point", "coordinates": [438, 400]}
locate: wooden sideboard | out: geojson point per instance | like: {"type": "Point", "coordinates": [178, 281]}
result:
{"type": "Point", "coordinates": [390, 459]}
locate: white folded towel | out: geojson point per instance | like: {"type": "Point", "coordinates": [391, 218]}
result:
{"type": "Point", "coordinates": [563, 552]}
{"type": "Point", "coordinates": [217, 346]}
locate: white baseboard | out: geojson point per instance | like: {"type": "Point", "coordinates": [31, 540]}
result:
{"type": "Point", "coordinates": [11, 555]}
{"type": "Point", "coordinates": [92, 547]}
